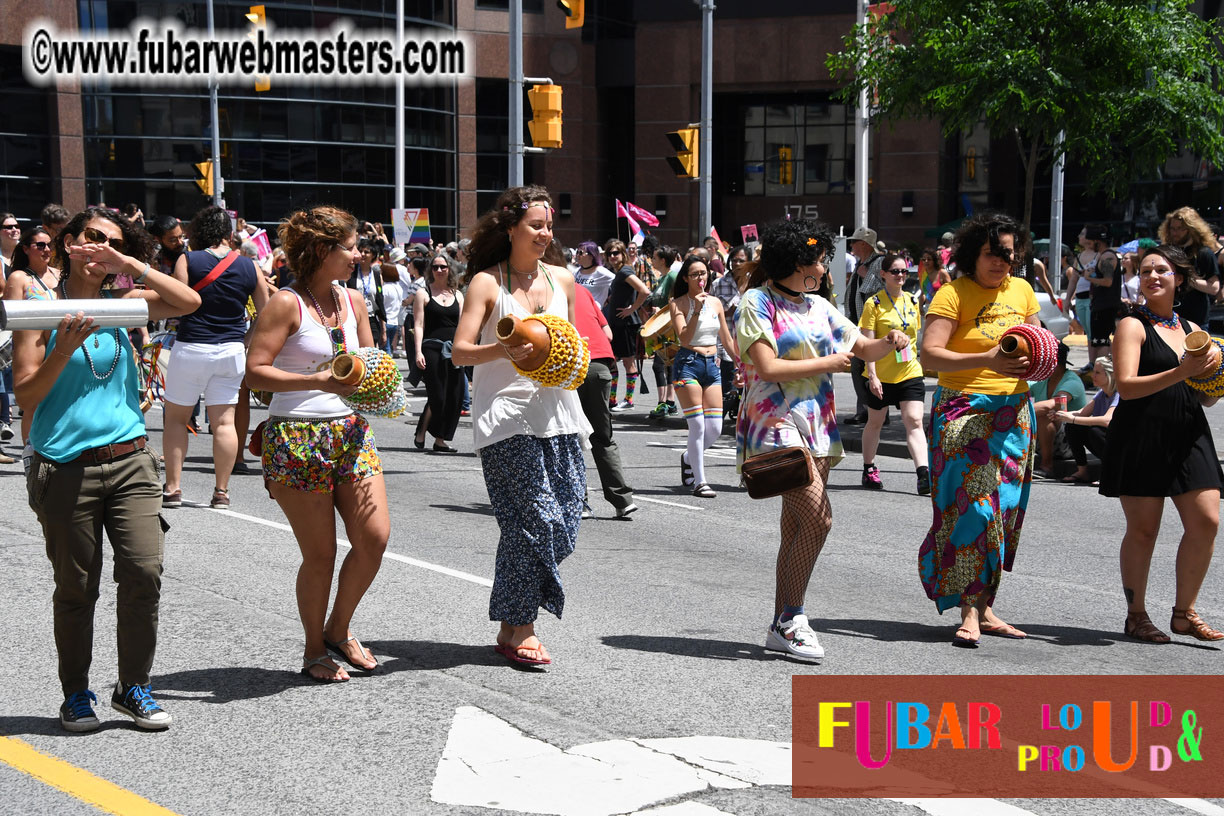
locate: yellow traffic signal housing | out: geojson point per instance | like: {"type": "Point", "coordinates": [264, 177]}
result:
{"type": "Point", "coordinates": [786, 167]}
{"type": "Point", "coordinates": [684, 142]}
{"type": "Point", "coordinates": [545, 124]}
{"type": "Point", "coordinates": [259, 19]}
{"type": "Point", "coordinates": [205, 169]}
{"type": "Point", "coordinates": [575, 13]}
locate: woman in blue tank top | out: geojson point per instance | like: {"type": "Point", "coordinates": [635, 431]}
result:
{"type": "Point", "coordinates": [91, 468]}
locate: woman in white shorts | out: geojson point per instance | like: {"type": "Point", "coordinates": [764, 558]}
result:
{"type": "Point", "coordinates": [209, 357]}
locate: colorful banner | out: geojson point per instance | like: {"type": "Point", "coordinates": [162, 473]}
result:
{"type": "Point", "coordinates": [723, 248]}
{"type": "Point", "coordinates": [410, 226]}
{"type": "Point", "coordinates": [645, 216]}
{"type": "Point", "coordinates": [1008, 736]}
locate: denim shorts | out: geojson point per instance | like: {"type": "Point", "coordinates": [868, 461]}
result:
{"type": "Point", "coordinates": [691, 367]}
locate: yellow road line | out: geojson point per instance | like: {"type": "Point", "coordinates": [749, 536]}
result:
{"type": "Point", "coordinates": [76, 782]}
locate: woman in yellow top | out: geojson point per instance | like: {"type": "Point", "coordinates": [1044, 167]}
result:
{"type": "Point", "coordinates": [981, 427]}
{"type": "Point", "coordinates": [896, 379]}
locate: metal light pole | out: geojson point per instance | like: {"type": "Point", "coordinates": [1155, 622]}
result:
{"type": "Point", "coordinates": [216, 132]}
{"type": "Point", "coordinates": [705, 157]}
{"type": "Point", "coordinates": [862, 122]}
{"type": "Point", "coordinates": [516, 93]}
{"type": "Point", "coordinates": [1056, 211]}
{"type": "Point", "coordinates": [399, 110]}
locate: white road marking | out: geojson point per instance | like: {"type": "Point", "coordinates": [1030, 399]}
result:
{"type": "Point", "coordinates": [638, 497]}
{"type": "Point", "coordinates": [1199, 806]}
{"type": "Point", "coordinates": [683, 809]}
{"type": "Point", "coordinates": [403, 559]}
{"type": "Point", "coordinates": [965, 807]}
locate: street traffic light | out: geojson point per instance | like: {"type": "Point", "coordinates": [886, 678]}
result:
{"type": "Point", "coordinates": [258, 20]}
{"type": "Point", "coordinates": [545, 124]}
{"type": "Point", "coordinates": [575, 12]}
{"type": "Point", "coordinates": [684, 142]}
{"type": "Point", "coordinates": [205, 169]}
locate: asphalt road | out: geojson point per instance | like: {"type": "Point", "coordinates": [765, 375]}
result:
{"type": "Point", "coordinates": [661, 643]}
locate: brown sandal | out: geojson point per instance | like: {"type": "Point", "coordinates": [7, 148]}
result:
{"type": "Point", "coordinates": [1140, 627]}
{"type": "Point", "coordinates": [1199, 630]}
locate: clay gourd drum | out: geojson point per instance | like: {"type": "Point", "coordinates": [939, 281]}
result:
{"type": "Point", "coordinates": [1198, 342]}
{"type": "Point", "coordinates": [559, 357]}
{"type": "Point", "coordinates": [1034, 342]}
{"type": "Point", "coordinates": [380, 386]}
{"type": "Point", "coordinates": [348, 368]}
{"type": "Point", "coordinates": [1213, 384]}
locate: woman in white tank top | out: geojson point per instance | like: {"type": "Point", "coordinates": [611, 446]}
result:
{"type": "Point", "coordinates": [319, 456]}
{"type": "Point", "coordinates": [529, 437]}
{"type": "Point", "coordinates": [699, 322]}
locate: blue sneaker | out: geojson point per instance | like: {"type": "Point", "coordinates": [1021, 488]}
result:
{"type": "Point", "coordinates": [77, 714]}
{"type": "Point", "coordinates": [138, 703]}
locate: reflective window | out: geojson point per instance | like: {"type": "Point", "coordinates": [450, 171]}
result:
{"type": "Point", "coordinates": [794, 145]}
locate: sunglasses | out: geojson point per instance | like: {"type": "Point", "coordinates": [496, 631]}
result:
{"type": "Point", "coordinates": [581, 252]}
{"type": "Point", "coordinates": [97, 236]}
{"type": "Point", "coordinates": [337, 337]}
{"type": "Point", "coordinates": [616, 252]}
{"type": "Point", "coordinates": [440, 266]}
{"type": "Point", "coordinates": [12, 226]}
{"type": "Point", "coordinates": [40, 244]}
{"type": "Point", "coordinates": [897, 271]}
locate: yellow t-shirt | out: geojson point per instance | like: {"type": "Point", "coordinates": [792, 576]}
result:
{"type": "Point", "coordinates": [881, 315]}
{"type": "Point", "coordinates": [981, 316]}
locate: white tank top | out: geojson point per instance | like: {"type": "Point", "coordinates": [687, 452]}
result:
{"type": "Point", "coordinates": [706, 333]}
{"type": "Point", "coordinates": [505, 403]}
{"type": "Point", "coordinates": [304, 351]}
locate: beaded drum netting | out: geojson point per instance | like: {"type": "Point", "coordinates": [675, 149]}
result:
{"type": "Point", "coordinates": [381, 390]}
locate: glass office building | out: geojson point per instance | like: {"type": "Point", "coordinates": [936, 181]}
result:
{"type": "Point", "coordinates": [281, 149]}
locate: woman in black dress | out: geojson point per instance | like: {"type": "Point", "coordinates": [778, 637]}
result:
{"type": "Point", "coordinates": [1159, 445]}
{"type": "Point", "coordinates": [435, 310]}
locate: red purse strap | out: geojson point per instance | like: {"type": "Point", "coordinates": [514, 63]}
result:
{"type": "Point", "coordinates": [217, 270]}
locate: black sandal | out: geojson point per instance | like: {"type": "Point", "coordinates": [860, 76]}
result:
{"type": "Point", "coordinates": [1140, 627]}
{"type": "Point", "coordinates": [704, 491]}
{"type": "Point", "coordinates": [686, 472]}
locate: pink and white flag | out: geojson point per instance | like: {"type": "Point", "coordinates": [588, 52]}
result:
{"type": "Point", "coordinates": [621, 212]}
{"type": "Point", "coordinates": [645, 216]}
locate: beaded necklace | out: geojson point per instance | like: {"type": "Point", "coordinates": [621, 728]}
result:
{"type": "Point", "coordinates": [337, 333]}
{"type": "Point", "coordinates": [1173, 322]}
{"type": "Point", "coordinates": [85, 351]}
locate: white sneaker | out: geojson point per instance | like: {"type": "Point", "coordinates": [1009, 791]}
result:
{"type": "Point", "coordinates": [795, 638]}
{"type": "Point", "coordinates": [623, 512]}
{"type": "Point", "coordinates": [622, 406]}
{"type": "Point", "coordinates": [6, 431]}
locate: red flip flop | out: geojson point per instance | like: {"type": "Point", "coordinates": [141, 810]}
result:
{"type": "Point", "coordinates": [510, 653]}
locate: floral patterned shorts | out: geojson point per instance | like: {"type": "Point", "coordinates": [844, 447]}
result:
{"type": "Point", "coordinates": [314, 455]}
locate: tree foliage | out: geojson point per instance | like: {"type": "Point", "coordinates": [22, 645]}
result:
{"type": "Point", "coordinates": [1129, 81]}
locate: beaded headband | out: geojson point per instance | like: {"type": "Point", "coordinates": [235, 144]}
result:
{"type": "Point", "coordinates": [526, 205]}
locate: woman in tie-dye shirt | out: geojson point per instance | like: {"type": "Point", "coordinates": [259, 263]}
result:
{"type": "Point", "coordinates": [792, 341]}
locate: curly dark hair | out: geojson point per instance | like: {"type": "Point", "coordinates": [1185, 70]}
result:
{"type": "Point", "coordinates": [137, 243]}
{"type": "Point", "coordinates": [491, 237]}
{"type": "Point", "coordinates": [680, 287]}
{"type": "Point", "coordinates": [309, 235]}
{"type": "Point", "coordinates": [209, 227]}
{"type": "Point", "coordinates": [981, 229]}
{"type": "Point", "coordinates": [1178, 259]}
{"type": "Point", "coordinates": [788, 245]}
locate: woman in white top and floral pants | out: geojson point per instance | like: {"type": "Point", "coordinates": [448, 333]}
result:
{"type": "Point", "coordinates": [529, 436]}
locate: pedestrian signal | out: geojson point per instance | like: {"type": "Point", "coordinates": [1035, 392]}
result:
{"type": "Point", "coordinates": [684, 142]}
{"type": "Point", "coordinates": [545, 124]}
{"type": "Point", "coordinates": [574, 12]}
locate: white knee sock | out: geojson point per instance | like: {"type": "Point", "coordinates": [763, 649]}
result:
{"type": "Point", "coordinates": [696, 446]}
{"type": "Point", "coordinates": [713, 426]}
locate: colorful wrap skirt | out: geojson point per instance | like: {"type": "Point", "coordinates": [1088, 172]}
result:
{"type": "Point", "coordinates": [981, 470]}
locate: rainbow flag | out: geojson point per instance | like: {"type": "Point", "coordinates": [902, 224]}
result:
{"type": "Point", "coordinates": [420, 229]}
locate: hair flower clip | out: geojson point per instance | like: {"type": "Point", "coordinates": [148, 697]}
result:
{"type": "Point", "coordinates": [812, 242]}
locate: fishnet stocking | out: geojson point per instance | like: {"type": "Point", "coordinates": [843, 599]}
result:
{"type": "Point", "coordinates": [807, 518]}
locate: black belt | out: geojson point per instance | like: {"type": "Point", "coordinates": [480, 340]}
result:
{"type": "Point", "coordinates": [109, 453]}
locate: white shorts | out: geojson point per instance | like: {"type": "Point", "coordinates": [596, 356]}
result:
{"type": "Point", "coordinates": [212, 369]}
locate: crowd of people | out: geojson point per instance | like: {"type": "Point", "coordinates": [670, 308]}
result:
{"type": "Point", "coordinates": [751, 333]}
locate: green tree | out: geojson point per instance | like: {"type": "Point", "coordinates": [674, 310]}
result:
{"type": "Point", "coordinates": [1130, 81]}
